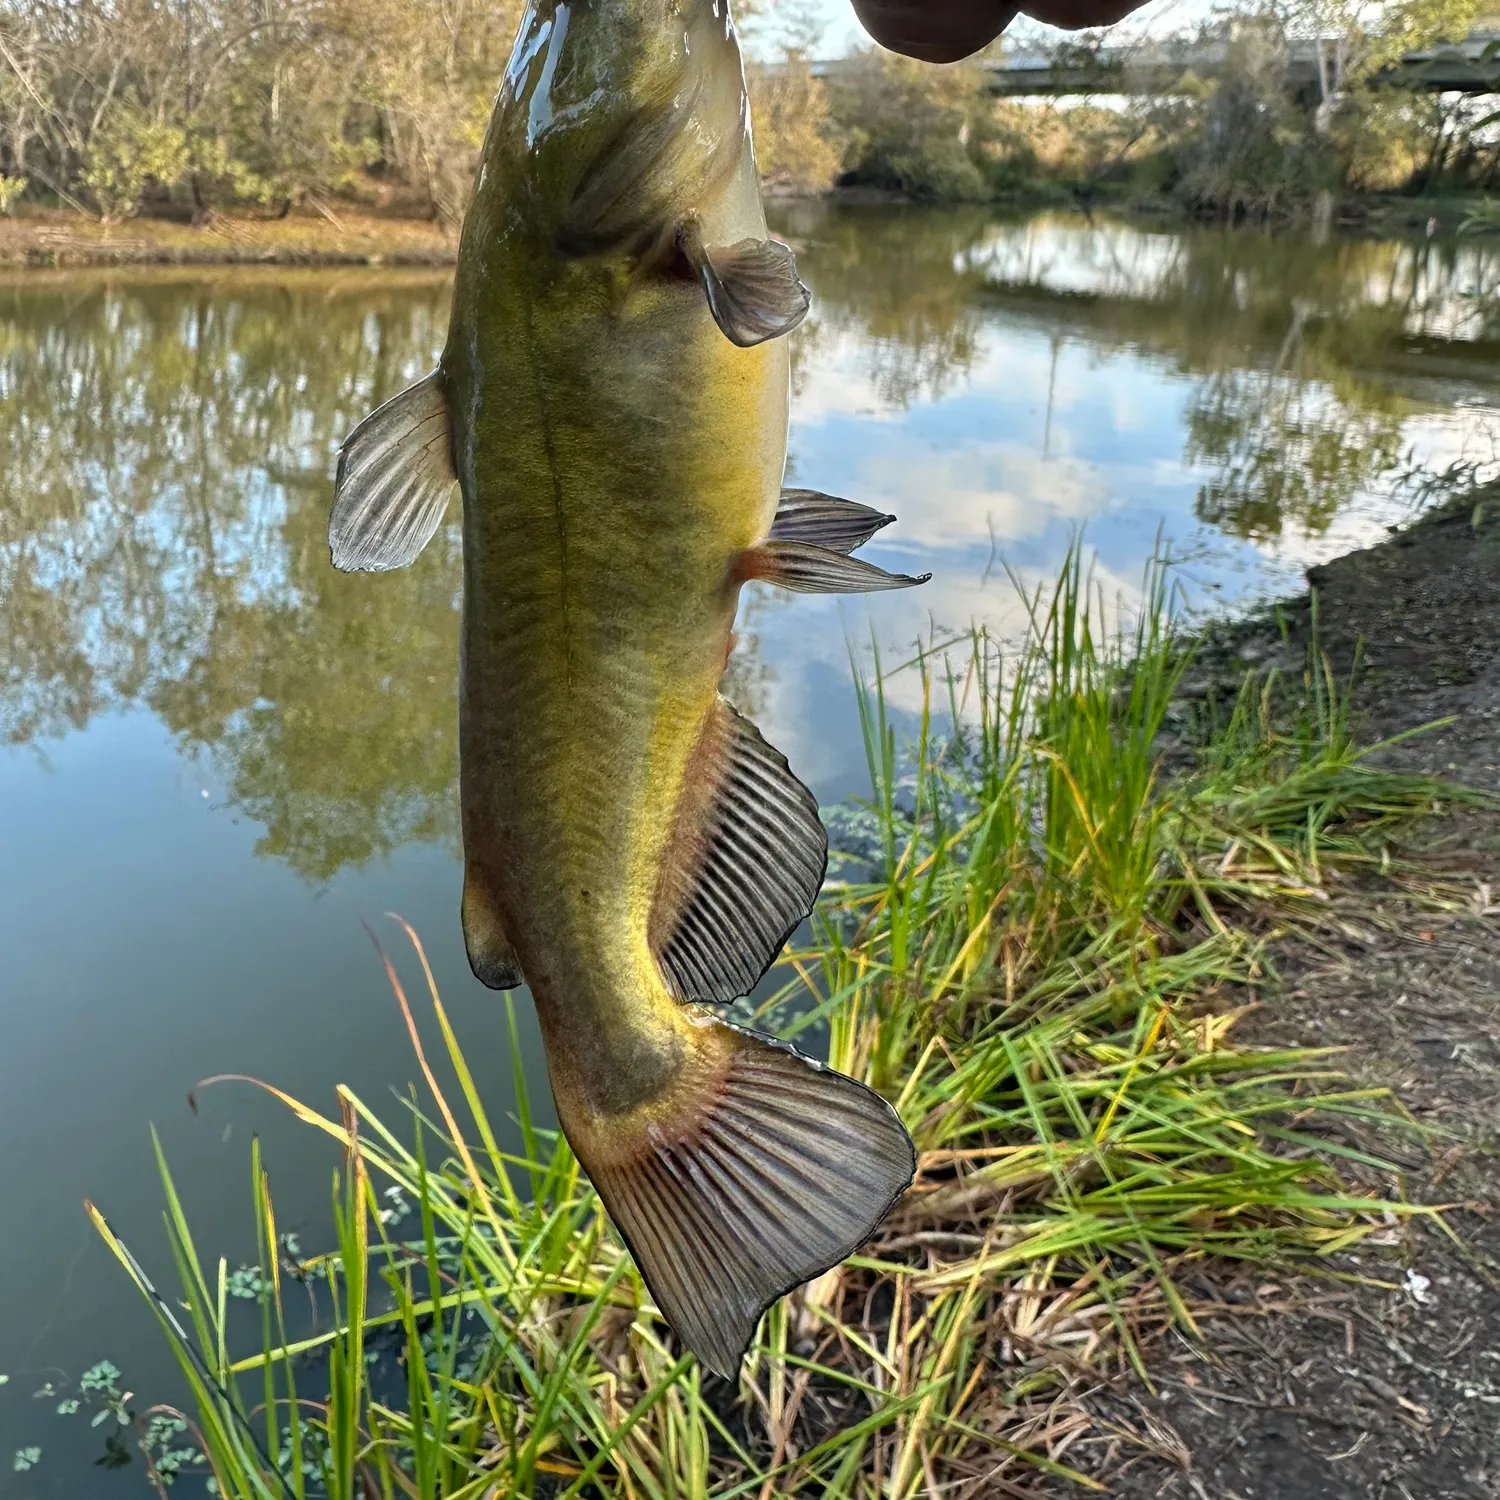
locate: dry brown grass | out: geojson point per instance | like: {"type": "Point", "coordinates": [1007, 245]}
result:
{"type": "Point", "coordinates": [47, 237]}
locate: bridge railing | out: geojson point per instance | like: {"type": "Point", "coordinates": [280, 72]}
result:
{"type": "Point", "coordinates": [1471, 66]}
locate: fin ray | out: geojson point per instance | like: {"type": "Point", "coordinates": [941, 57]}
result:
{"type": "Point", "coordinates": [727, 1212]}
{"type": "Point", "coordinates": [825, 521]}
{"type": "Point", "coordinates": [746, 865]}
{"type": "Point", "coordinates": [394, 477]}
{"type": "Point", "coordinates": [752, 287]}
{"type": "Point", "coordinates": [808, 569]}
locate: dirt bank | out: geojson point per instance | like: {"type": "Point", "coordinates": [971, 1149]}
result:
{"type": "Point", "coordinates": [1344, 1389]}
{"type": "Point", "coordinates": [355, 237]}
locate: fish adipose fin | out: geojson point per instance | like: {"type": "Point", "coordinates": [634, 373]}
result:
{"type": "Point", "coordinates": [808, 569]}
{"type": "Point", "coordinates": [825, 521]}
{"type": "Point", "coordinates": [745, 866]}
{"type": "Point", "coordinates": [491, 956]}
{"type": "Point", "coordinates": [752, 286]}
{"type": "Point", "coordinates": [778, 1174]}
{"type": "Point", "coordinates": [394, 477]}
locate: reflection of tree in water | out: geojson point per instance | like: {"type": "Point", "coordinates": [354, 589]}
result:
{"type": "Point", "coordinates": [1283, 451]}
{"type": "Point", "coordinates": [891, 278]}
{"type": "Point", "coordinates": [748, 677]}
{"type": "Point", "coordinates": [1287, 447]}
{"type": "Point", "coordinates": [1296, 349]}
{"type": "Point", "coordinates": [926, 290]}
{"type": "Point", "coordinates": [163, 542]}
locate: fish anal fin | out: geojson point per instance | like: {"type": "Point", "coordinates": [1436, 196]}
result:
{"type": "Point", "coordinates": [825, 521]}
{"type": "Point", "coordinates": [752, 286]}
{"type": "Point", "coordinates": [809, 569]}
{"type": "Point", "coordinates": [749, 1189]}
{"type": "Point", "coordinates": [491, 956]}
{"type": "Point", "coordinates": [394, 478]}
{"type": "Point", "coordinates": [745, 865]}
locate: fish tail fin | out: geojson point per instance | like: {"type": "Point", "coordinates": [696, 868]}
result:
{"type": "Point", "coordinates": [772, 1171]}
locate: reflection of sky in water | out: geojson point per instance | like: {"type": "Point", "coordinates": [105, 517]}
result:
{"type": "Point", "coordinates": [1041, 435]}
{"type": "Point", "coordinates": [1432, 284]}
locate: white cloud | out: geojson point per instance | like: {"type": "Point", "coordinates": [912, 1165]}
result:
{"type": "Point", "coordinates": [1001, 490]}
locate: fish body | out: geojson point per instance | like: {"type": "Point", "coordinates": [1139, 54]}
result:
{"type": "Point", "coordinates": [616, 452]}
{"type": "Point", "coordinates": [612, 402]}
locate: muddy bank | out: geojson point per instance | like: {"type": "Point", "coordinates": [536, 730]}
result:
{"type": "Point", "coordinates": [1383, 1381]}
{"type": "Point", "coordinates": [356, 238]}
{"type": "Point", "coordinates": [366, 236]}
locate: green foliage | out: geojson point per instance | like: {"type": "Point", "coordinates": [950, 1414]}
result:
{"type": "Point", "coordinates": [227, 103]}
{"type": "Point", "coordinates": [912, 128]}
{"type": "Point", "coordinates": [138, 106]}
{"type": "Point", "coordinates": [1246, 146]}
{"type": "Point", "coordinates": [1248, 140]}
{"type": "Point", "coordinates": [794, 146]}
{"type": "Point", "coordinates": [1032, 961]}
{"type": "Point", "coordinates": [1483, 218]}
{"type": "Point", "coordinates": [127, 153]}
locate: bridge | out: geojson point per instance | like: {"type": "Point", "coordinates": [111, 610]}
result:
{"type": "Point", "coordinates": [1471, 66]}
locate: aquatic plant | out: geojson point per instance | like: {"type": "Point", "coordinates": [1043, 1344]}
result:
{"type": "Point", "coordinates": [1042, 956]}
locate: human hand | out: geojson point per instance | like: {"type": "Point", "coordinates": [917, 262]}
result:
{"type": "Point", "coordinates": [943, 31]}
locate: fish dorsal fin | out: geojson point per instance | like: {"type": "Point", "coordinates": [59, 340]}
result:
{"type": "Point", "coordinates": [752, 287]}
{"type": "Point", "coordinates": [394, 478]}
{"type": "Point", "coordinates": [745, 866]}
{"type": "Point", "coordinates": [807, 569]}
{"type": "Point", "coordinates": [742, 1194]}
{"type": "Point", "coordinates": [825, 521]}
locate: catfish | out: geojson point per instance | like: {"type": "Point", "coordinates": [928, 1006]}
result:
{"type": "Point", "coordinates": [611, 404]}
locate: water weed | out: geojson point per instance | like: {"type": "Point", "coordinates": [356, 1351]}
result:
{"type": "Point", "coordinates": [1039, 947]}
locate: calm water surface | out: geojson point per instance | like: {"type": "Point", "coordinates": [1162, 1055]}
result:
{"type": "Point", "coordinates": [217, 756]}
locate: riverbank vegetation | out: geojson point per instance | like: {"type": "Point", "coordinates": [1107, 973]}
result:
{"type": "Point", "coordinates": [1039, 947]}
{"type": "Point", "coordinates": [233, 110]}
{"type": "Point", "coordinates": [1243, 137]}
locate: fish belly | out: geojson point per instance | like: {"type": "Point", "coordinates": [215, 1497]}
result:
{"type": "Point", "coordinates": [603, 515]}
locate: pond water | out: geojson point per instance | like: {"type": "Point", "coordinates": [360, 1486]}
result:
{"type": "Point", "coordinates": [217, 756]}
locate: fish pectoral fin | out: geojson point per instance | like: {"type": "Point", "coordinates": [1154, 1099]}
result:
{"type": "Point", "coordinates": [773, 1178]}
{"type": "Point", "coordinates": [491, 956]}
{"type": "Point", "coordinates": [808, 569]}
{"type": "Point", "coordinates": [744, 867]}
{"type": "Point", "coordinates": [825, 521]}
{"type": "Point", "coordinates": [752, 286]}
{"type": "Point", "coordinates": [394, 477]}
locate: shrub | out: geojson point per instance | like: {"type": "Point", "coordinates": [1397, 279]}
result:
{"type": "Point", "coordinates": [794, 147]}
{"type": "Point", "coordinates": [913, 128]}
{"type": "Point", "coordinates": [127, 154]}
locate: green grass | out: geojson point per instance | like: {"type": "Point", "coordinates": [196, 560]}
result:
{"type": "Point", "coordinates": [1043, 963]}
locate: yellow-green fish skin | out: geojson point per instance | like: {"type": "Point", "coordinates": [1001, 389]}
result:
{"type": "Point", "coordinates": [616, 453]}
